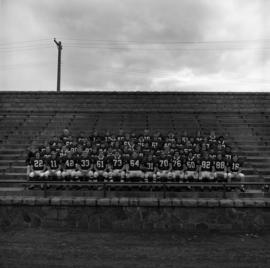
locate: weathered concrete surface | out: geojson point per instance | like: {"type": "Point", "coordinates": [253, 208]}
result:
{"type": "Point", "coordinates": [131, 214]}
{"type": "Point", "coordinates": [39, 248]}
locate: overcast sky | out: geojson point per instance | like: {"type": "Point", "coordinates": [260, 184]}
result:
{"type": "Point", "coordinates": [136, 44]}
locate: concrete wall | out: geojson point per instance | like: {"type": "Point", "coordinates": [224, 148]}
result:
{"type": "Point", "coordinates": [136, 214]}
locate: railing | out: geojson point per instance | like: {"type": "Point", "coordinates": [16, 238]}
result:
{"type": "Point", "coordinates": [106, 187]}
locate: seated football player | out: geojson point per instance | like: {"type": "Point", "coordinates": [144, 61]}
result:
{"type": "Point", "coordinates": [117, 168]}
{"type": "Point", "coordinates": [206, 169]}
{"type": "Point", "coordinates": [134, 168]}
{"type": "Point", "coordinates": [177, 164]}
{"type": "Point", "coordinates": [164, 168]}
{"type": "Point", "coordinates": [149, 168]}
{"type": "Point", "coordinates": [53, 166]}
{"type": "Point", "coordinates": [37, 167]}
{"type": "Point", "coordinates": [220, 167]}
{"type": "Point", "coordinates": [235, 169]}
{"type": "Point", "coordinates": [101, 167]}
{"type": "Point", "coordinates": [69, 167]}
{"type": "Point", "coordinates": [191, 168]}
{"type": "Point", "coordinates": [84, 166]}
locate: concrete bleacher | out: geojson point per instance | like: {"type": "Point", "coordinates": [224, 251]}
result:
{"type": "Point", "coordinates": [29, 118]}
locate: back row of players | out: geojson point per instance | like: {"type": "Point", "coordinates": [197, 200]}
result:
{"type": "Point", "coordinates": [135, 158]}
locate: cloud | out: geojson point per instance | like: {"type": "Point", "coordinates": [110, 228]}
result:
{"type": "Point", "coordinates": [148, 55]}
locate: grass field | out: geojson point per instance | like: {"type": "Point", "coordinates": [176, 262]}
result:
{"type": "Point", "coordinates": [50, 248]}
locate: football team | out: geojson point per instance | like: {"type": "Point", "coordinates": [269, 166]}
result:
{"type": "Point", "coordinates": [128, 157]}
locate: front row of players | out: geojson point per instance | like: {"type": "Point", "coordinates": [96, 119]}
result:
{"type": "Point", "coordinates": [118, 168]}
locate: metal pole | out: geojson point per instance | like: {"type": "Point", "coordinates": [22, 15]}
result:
{"type": "Point", "coordinates": [59, 48]}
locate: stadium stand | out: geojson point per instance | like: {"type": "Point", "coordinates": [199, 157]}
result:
{"type": "Point", "coordinates": [28, 119]}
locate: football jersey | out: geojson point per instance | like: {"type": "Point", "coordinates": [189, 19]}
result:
{"type": "Point", "coordinates": [163, 163]}
{"type": "Point", "coordinates": [220, 165]}
{"type": "Point", "coordinates": [101, 163]}
{"type": "Point", "coordinates": [53, 163]}
{"type": "Point", "coordinates": [154, 144]}
{"type": "Point", "coordinates": [38, 164]}
{"type": "Point", "coordinates": [70, 163]}
{"type": "Point", "coordinates": [84, 162]}
{"type": "Point", "coordinates": [235, 166]}
{"type": "Point", "coordinates": [198, 155]}
{"type": "Point", "coordinates": [177, 163]}
{"type": "Point", "coordinates": [134, 163]}
{"type": "Point", "coordinates": [191, 164]}
{"type": "Point", "coordinates": [120, 137]}
{"type": "Point", "coordinates": [117, 162]}
{"type": "Point", "coordinates": [149, 165]}
{"type": "Point", "coordinates": [228, 156]}
{"type": "Point", "coordinates": [67, 140]}
{"type": "Point", "coordinates": [206, 165]}
{"type": "Point", "coordinates": [147, 138]}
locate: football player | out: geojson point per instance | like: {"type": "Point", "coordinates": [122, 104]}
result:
{"type": "Point", "coordinates": [85, 165]}
{"type": "Point", "coordinates": [206, 168]}
{"type": "Point", "coordinates": [149, 168]}
{"type": "Point", "coordinates": [101, 167]}
{"type": "Point", "coordinates": [235, 169]}
{"type": "Point", "coordinates": [191, 170]}
{"type": "Point", "coordinates": [177, 164]}
{"type": "Point", "coordinates": [212, 139]}
{"type": "Point", "coordinates": [198, 138]}
{"type": "Point", "coordinates": [117, 167]}
{"type": "Point", "coordinates": [66, 137]}
{"type": "Point", "coordinates": [220, 166]}
{"type": "Point", "coordinates": [37, 167]}
{"type": "Point", "coordinates": [53, 166]}
{"type": "Point", "coordinates": [69, 167]}
{"type": "Point", "coordinates": [228, 153]}
{"type": "Point", "coordinates": [164, 167]}
{"type": "Point", "coordinates": [133, 168]}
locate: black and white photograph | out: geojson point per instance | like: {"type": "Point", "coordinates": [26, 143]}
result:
{"type": "Point", "coordinates": [134, 133]}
